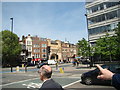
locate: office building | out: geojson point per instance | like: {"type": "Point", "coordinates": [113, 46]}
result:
{"type": "Point", "coordinates": [102, 17]}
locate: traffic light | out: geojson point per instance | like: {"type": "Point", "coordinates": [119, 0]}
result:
{"type": "Point", "coordinates": [48, 49]}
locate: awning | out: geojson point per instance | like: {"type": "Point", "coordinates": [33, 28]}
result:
{"type": "Point", "coordinates": [36, 59]}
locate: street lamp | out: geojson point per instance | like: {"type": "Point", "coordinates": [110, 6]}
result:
{"type": "Point", "coordinates": [11, 38]}
{"type": "Point", "coordinates": [91, 63]}
{"type": "Point", "coordinates": [11, 24]}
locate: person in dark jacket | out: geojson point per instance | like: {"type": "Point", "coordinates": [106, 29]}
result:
{"type": "Point", "coordinates": [108, 75]}
{"type": "Point", "coordinates": [48, 83]}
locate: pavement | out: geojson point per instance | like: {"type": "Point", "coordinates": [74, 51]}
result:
{"type": "Point", "coordinates": [63, 66]}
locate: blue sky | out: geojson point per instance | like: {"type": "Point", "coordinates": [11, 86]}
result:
{"type": "Point", "coordinates": [54, 20]}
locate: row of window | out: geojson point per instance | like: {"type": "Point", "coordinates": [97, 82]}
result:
{"type": "Point", "coordinates": [37, 45]}
{"type": "Point", "coordinates": [43, 39]}
{"type": "Point", "coordinates": [103, 29]}
{"type": "Point", "coordinates": [101, 7]}
{"type": "Point", "coordinates": [66, 50]}
{"type": "Point", "coordinates": [103, 17]}
{"type": "Point", "coordinates": [38, 56]}
{"type": "Point", "coordinates": [38, 50]}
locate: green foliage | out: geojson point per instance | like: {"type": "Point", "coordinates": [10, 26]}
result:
{"type": "Point", "coordinates": [10, 47]}
{"type": "Point", "coordinates": [118, 40]}
{"type": "Point", "coordinates": [106, 46]}
{"type": "Point", "coordinates": [83, 48]}
{"type": "Point", "coordinates": [109, 46]}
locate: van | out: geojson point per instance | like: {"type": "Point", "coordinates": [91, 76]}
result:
{"type": "Point", "coordinates": [52, 62]}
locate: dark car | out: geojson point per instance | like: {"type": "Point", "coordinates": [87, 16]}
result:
{"type": "Point", "coordinates": [90, 77]}
{"type": "Point", "coordinates": [43, 62]}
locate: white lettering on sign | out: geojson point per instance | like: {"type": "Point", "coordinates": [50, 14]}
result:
{"type": "Point", "coordinates": [33, 85]}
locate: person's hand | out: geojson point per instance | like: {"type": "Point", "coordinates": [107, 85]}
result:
{"type": "Point", "coordinates": [104, 73]}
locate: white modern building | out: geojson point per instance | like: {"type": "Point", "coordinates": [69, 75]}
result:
{"type": "Point", "coordinates": [102, 17]}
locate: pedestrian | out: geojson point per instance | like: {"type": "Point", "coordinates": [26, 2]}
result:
{"type": "Point", "coordinates": [74, 63]}
{"type": "Point", "coordinates": [77, 63]}
{"type": "Point", "coordinates": [56, 65]}
{"type": "Point", "coordinates": [108, 75]}
{"type": "Point", "coordinates": [48, 83]}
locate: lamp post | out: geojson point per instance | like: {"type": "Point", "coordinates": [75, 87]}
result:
{"type": "Point", "coordinates": [91, 63]}
{"type": "Point", "coordinates": [11, 24]}
{"type": "Point", "coordinates": [11, 39]}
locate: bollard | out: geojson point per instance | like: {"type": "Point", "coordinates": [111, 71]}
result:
{"type": "Point", "coordinates": [22, 65]}
{"type": "Point", "coordinates": [61, 70]}
{"type": "Point", "coordinates": [17, 68]}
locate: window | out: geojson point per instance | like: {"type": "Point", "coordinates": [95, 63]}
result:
{"type": "Point", "coordinates": [101, 7]}
{"type": "Point", "coordinates": [43, 39]}
{"type": "Point", "coordinates": [44, 45]}
{"type": "Point", "coordinates": [36, 50]}
{"type": "Point", "coordinates": [111, 4]}
{"type": "Point", "coordinates": [28, 42]}
{"type": "Point", "coordinates": [29, 48]}
{"type": "Point", "coordinates": [36, 56]}
{"type": "Point", "coordinates": [111, 15]}
{"type": "Point", "coordinates": [44, 55]}
{"type": "Point", "coordinates": [102, 29]}
{"type": "Point", "coordinates": [103, 17]}
{"type": "Point", "coordinates": [36, 45]}
{"type": "Point", "coordinates": [44, 50]}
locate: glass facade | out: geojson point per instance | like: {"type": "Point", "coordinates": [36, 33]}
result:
{"type": "Point", "coordinates": [103, 29]}
{"type": "Point", "coordinates": [103, 17]}
{"type": "Point", "coordinates": [101, 7]}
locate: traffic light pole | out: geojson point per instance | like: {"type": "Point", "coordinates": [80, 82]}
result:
{"type": "Point", "coordinates": [25, 65]}
{"type": "Point", "coordinates": [26, 60]}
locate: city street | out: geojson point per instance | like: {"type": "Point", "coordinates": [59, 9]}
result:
{"type": "Point", "coordinates": [70, 79]}
{"type": "Point", "coordinates": [70, 35]}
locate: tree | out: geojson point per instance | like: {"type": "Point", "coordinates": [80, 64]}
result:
{"type": "Point", "coordinates": [117, 39]}
{"type": "Point", "coordinates": [109, 46]}
{"type": "Point", "coordinates": [10, 48]}
{"type": "Point", "coordinates": [106, 47]}
{"type": "Point", "coordinates": [83, 48]}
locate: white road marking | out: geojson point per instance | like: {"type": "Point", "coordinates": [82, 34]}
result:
{"type": "Point", "coordinates": [33, 85]}
{"type": "Point", "coordinates": [18, 82]}
{"type": "Point", "coordinates": [71, 84]}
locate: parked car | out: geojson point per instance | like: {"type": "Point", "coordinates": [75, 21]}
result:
{"type": "Point", "coordinates": [85, 61]}
{"type": "Point", "coordinates": [41, 64]}
{"type": "Point", "coordinates": [52, 62]}
{"type": "Point", "coordinates": [90, 77]}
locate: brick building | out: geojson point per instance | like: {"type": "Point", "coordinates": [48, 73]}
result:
{"type": "Point", "coordinates": [38, 49]}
